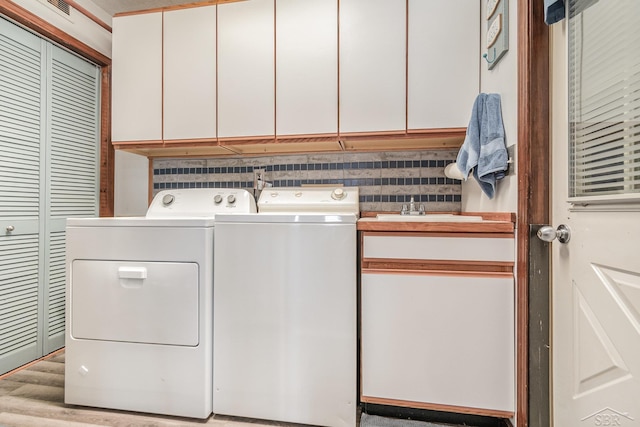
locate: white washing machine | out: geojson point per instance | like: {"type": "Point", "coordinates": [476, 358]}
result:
{"type": "Point", "coordinates": [139, 305]}
{"type": "Point", "coordinates": [285, 308]}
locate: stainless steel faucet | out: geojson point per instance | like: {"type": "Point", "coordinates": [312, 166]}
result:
{"type": "Point", "coordinates": [411, 209]}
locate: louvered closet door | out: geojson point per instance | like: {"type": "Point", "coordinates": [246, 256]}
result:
{"type": "Point", "coordinates": [49, 138]}
{"type": "Point", "coordinates": [72, 172]}
{"type": "Point", "coordinates": [20, 172]}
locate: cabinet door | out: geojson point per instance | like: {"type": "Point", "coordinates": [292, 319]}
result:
{"type": "Point", "coordinates": [444, 60]}
{"type": "Point", "coordinates": [190, 73]}
{"type": "Point", "coordinates": [137, 78]}
{"type": "Point", "coordinates": [246, 86]}
{"type": "Point", "coordinates": [306, 67]}
{"type": "Point", "coordinates": [444, 340]}
{"type": "Point", "coordinates": [372, 65]}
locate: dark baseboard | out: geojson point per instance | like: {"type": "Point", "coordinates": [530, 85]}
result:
{"type": "Point", "coordinates": [433, 416]}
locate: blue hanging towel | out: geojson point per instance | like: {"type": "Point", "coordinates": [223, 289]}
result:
{"type": "Point", "coordinates": [553, 11]}
{"type": "Point", "coordinates": [484, 150]}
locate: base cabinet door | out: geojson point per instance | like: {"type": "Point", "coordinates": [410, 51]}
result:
{"type": "Point", "coordinates": [438, 341]}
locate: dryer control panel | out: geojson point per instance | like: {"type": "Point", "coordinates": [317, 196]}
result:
{"type": "Point", "coordinates": [200, 202]}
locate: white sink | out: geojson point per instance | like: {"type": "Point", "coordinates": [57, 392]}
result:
{"type": "Point", "coordinates": [428, 218]}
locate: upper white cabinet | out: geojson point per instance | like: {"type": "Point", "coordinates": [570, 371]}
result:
{"type": "Point", "coordinates": [373, 65]}
{"type": "Point", "coordinates": [246, 81]}
{"type": "Point", "coordinates": [190, 73]}
{"type": "Point", "coordinates": [137, 78]}
{"type": "Point", "coordinates": [306, 67]}
{"type": "Point", "coordinates": [260, 69]}
{"type": "Point", "coordinates": [443, 62]}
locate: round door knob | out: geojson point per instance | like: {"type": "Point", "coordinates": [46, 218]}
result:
{"type": "Point", "coordinates": [548, 234]}
{"type": "Point", "coordinates": [217, 199]}
{"type": "Point", "coordinates": [338, 194]}
{"type": "Point", "coordinates": [10, 228]}
{"type": "Point", "coordinates": [231, 199]}
{"type": "Point", "coordinates": [168, 199]}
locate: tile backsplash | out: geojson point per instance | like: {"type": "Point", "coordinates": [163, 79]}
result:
{"type": "Point", "coordinates": [386, 180]}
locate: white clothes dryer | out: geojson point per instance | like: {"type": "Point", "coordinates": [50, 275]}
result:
{"type": "Point", "coordinates": [285, 308]}
{"type": "Point", "coordinates": [139, 305]}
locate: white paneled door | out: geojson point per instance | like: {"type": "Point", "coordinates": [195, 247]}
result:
{"type": "Point", "coordinates": [596, 275]}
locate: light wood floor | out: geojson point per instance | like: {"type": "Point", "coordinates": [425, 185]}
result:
{"type": "Point", "coordinates": [34, 397]}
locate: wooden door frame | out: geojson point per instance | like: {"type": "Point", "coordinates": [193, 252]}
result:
{"type": "Point", "coordinates": [38, 25]}
{"type": "Point", "coordinates": [533, 182]}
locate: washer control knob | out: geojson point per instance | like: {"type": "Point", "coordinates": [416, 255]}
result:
{"type": "Point", "coordinates": [338, 194]}
{"type": "Point", "coordinates": [217, 199]}
{"type": "Point", "coordinates": [168, 199]}
{"type": "Point", "coordinates": [231, 199]}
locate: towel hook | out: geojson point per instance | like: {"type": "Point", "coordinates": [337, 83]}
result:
{"type": "Point", "coordinates": [485, 56]}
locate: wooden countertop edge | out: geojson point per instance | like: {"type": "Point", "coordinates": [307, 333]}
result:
{"type": "Point", "coordinates": [488, 216]}
{"type": "Point", "coordinates": [500, 222]}
{"type": "Point", "coordinates": [440, 227]}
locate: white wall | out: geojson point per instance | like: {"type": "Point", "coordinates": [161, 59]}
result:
{"type": "Point", "coordinates": [503, 79]}
{"type": "Point", "coordinates": [131, 184]}
{"type": "Point", "coordinates": [76, 24]}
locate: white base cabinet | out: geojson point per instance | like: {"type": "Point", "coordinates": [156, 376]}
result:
{"type": "Point", "coordinates": [438, 321]}
{"type": "Point", "coordinates": [445, 340]}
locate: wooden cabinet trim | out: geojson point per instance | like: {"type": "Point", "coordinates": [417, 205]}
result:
{"type": "Point", "coordinates": [424, 235]}
{"type": "Point", "coordinates": [175, 7]}
{"type": "Point", "coordinates": [400, 265]}
{"type": "Point", "coordinates": [195, 142]}
{"type": "Point", "coordinates": [440, 273]}
{"type": "Point", "coordinates": [437, 407]}
{"type": "Point", "coordinates": [461, 229]}
{"type": "Point", "coordinates": [339, 143]}
{"type": "Point", "coordinates": [138, 144]}
{"type": "Point", "coordinates": [489, 216]}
